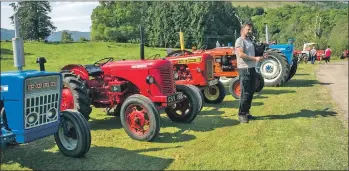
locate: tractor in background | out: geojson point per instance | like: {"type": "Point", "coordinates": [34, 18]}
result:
{"type": "Point", "coordinates": [304, 54]}
{"type": "Point", "coordinates": [29, 105]}
{"type": "Point", "coordinates": [198, 71]}
{"type": "Point", "coordinates": [133, 89]}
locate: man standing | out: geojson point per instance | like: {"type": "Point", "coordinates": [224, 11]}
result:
{"type": "Point", "coordinates": [328, 52]}
{"type": "Point", "coordinates": [313, 55]}
{"type": "Point", "coordinates": [246, 63]}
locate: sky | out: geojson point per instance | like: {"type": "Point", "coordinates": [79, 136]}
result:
{"type": "Point", "coordinates": [73, 16]}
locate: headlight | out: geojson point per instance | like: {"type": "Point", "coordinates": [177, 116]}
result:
{"type": "Point", "coordinates": [150, 79]}
{"type": "Point", "coordinates": [32, 118]}
{"type": "Point", "coordinates": [51, 113]}
{"type": "Point", "coordinates": [175, 75]}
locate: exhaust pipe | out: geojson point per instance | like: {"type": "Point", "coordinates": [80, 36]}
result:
{"type": "Point", "coordinates": [142, 44]}
{"type": "Point", "coordinates": [18, 47]}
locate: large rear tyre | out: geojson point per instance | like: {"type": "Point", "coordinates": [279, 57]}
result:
{"type": "Point", "coordinates": [275, 69]}
{"type": "Point", "coordinates": [199, 95]}
{"type": "Point", "coordinates": [74, 95]}
{"type": "Point", "coordinates": [73, 137]}
{"type": "Point", "coordinates": [235, 89]}
{"type": "Point", "coordinates": [293, 69]}
{"type": "Point", "coordinates": [139, 118]}
{"type": "Point", "coordinates": [186, 110]}
{"type": "Point", "coordinates": [214, 94]}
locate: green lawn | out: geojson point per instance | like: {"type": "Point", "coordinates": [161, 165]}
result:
{"type": "Point", "coordinates": [296, 127]}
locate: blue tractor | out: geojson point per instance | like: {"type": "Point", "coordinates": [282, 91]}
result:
{"type": "Point", "coordinates": [30, 108]}
{"type": "Point", "coordinates": [280, 66]}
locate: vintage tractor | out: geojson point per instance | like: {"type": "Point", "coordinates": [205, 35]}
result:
{"type": "Point", "coordinates": [133, 89]}
{"type": "Point", "coordinates": [196, 70]}
{"type": "Point", "coordinates": [29, 106]}
{"type": "Point", "coordinates": [304, 54]}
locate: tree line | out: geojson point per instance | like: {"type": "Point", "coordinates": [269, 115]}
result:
{"type": "Point", "coordinates": [203, 23]}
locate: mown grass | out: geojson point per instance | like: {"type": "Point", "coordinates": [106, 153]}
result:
{"type": "Point", "coordinates": [296, 127]}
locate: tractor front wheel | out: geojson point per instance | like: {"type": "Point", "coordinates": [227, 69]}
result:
{"type": "Point", "coordinates": [140, 118]}
{"type": "Point", "coordinates": [73, 137]}
{"type": "Point", "coordinates": [74, 95]}
{"type": "Point", "coordinates": [214, 94]}
{"type": "Point", "coordinates": [199, 96]}
{"type": "Point", "coordinates": [293, 69]}
{"type": "Point", "coordinates": [186, 110]}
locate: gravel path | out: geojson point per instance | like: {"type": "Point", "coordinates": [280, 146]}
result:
{"type": "Point", "coordinates": [336, 73]}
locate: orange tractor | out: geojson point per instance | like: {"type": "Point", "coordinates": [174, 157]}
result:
{"type": "Point", "coordinates": [224, 67]}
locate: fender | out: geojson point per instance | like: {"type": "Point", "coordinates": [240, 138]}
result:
{"type": "Point", "coordinates": [78, 70]}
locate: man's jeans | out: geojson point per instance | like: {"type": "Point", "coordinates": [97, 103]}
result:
{"type": "Point", "coordinates": [247, 88]}
{"type": "Point", "coordinates": [313, 58]}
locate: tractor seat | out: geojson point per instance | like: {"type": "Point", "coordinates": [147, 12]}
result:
{"type": "Point", "coordinates": [93, 70]}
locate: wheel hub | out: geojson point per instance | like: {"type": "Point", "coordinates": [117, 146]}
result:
{"type": "Point", "coordinates": [270, 68]}
{"type": "Point", "coordinates": [137, 120]}
{"type": "Point", "coordinates": [212, 92]}
{"type": "Point", "coordinates": [69, 140]}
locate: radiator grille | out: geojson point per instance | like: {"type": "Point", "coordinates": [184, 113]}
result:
{"type": "Point", "coordinates": [209, 69]}
{"type": "Point", "coordinates": [41, 106]}
{"type": "Point", "coordinates": [167, 81]}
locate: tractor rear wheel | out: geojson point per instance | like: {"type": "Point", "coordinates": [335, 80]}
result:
{"type": "Point", "coordinates": [293, 69]}
{"type": "Point", "coordinates": [140, 118]}
{"type": "Point", "coordinates": [275, 69]}
{"type": "Point", "coordinates": [199, 95]}
{"type": "Point", "coordinates": [259, 82]}
{"type": "Point", "coordinates": [74, 95]}
{"type": "Point", "coordinates": [73, 137]}
{"type": "Point", "coordinates": [186, 110]}
{"type": "Point", "coordinates": [214, 94]}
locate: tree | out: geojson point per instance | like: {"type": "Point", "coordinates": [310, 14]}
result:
{"type": "Point", "coordinates": [66, 37]}
{"type": "Point", "coordinates": [34, 22]}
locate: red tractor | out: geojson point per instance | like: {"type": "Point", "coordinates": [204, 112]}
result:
{"type": "Point", "coordinates": [134, 89]}
{"type": "Point", "coordinates": [197, 70]}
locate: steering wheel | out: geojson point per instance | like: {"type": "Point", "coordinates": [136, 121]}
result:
{"type": "Point", "coordinates": [99, 63]}
{"type": "Point", "coordinates": [202, 48]}
{"type": "Point", "coordinates": [156, 56]}
{"type": "Point", "coordinates": [179, 53]}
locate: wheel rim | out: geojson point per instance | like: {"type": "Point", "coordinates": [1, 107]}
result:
{"type": "Point", "coordinates": [67, 99]}
{"type": "Point", "coordinates": [212, 92]}
{"type": "Point", "coordinates": [138, 119]}
{"type": "Point", "coordinates": [70, 140]}
{"type": "Point", "coordinates": [271, 69]}
{"type": "Point", "coordinates": [236, 88]}
{"type": "Point", "coordinates": [182, 108]}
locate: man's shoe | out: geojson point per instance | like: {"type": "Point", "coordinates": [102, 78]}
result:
{"type": "Point", "coordinates": [243, 118]}
{"type": "Point", "coordinates": [249, 116]}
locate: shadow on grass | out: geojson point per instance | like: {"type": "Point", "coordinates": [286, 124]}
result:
{"type": "Point", "coordinates": [276, 92]}
{"type": "Point", "coordinates": [98, 158]}
{"type": "Point", "coordinates": [202, 123]}
{"type": "Point", "coordinates": [225, 104]}
{"type": "Point", "coordinates": [303, 83]}
{"type": "Point", "coordinates": [108, 123]}
{"type": "Point", "coordinates": [302, 74]}
{"type": "Point", "coordinates": [304, 113]}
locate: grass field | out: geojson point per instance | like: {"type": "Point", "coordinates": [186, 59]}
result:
{"type": "Point", "coordinates": [296, 127]}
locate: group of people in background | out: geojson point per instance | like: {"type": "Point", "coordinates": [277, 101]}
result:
{"type": "Point", "coordinates": [326, 56]}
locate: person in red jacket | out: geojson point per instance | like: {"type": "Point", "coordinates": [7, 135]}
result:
{"type": "Point", "coordinates": [327, 55]}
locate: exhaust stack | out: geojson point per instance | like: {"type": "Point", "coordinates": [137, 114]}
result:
{"type": "Point", "coordinates": [18, 47]}
{"type": "Point", "coordinates": [142, 44]}
{"type": "Point", "coordinates": [266, 34]}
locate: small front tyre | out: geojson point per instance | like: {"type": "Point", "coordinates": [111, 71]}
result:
{"type": "Point", "coordinates": [214, 94]}
{"type": "Point", "coordinates": [73, 137]}
{"type": "Point", "coordinates": [139, 118]}
{"type": "Point", "coordinates": [186, 110]}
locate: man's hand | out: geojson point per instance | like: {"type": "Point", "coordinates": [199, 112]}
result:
{"type": "Point", "coordinates": [258, 58]}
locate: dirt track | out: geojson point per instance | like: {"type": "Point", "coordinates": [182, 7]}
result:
{"type": "Point", "coordinates": [336, 74]}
